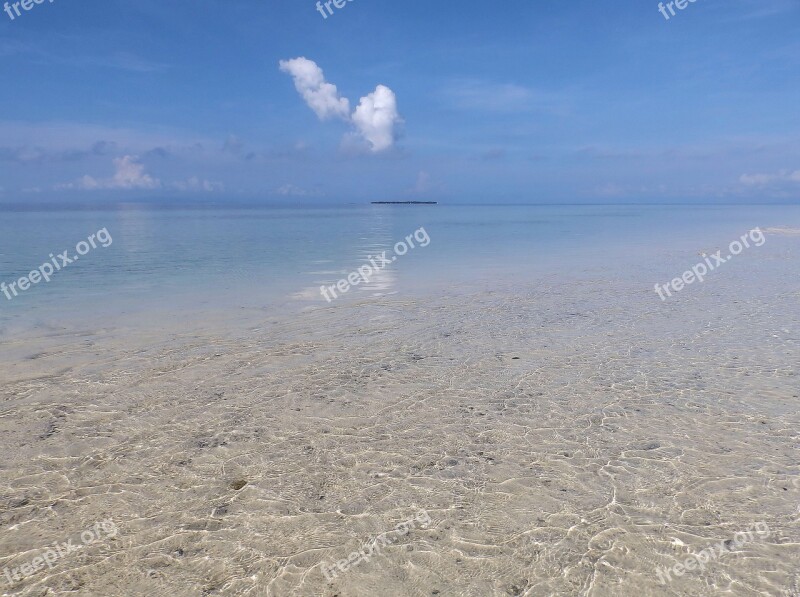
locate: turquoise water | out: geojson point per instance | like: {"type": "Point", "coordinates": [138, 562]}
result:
{"type": "Point", "coordinates": [171, 258]}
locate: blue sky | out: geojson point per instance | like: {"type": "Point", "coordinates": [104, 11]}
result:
{"type": "Point", "coordinates": [526, 101]}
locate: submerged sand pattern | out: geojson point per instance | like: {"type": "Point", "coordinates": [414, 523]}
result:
{"type": "Point", "coordinates": [567, 439]}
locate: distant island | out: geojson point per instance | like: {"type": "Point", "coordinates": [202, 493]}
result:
{"type": "Point", "coordinates": [404, 202]}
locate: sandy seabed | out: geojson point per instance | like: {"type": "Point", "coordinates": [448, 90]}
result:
{"type": "Point", "coordinates": [566, 438]}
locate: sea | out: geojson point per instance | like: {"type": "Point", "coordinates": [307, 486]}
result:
{"type": "Point", "coordinates": [183, 260]}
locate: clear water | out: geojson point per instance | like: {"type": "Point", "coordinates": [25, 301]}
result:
{"type": "Point", "coordinates": [174, 259]}
{"type": "Point", "coordinates": [566, 431]}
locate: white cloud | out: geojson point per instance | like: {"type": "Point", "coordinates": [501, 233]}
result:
{"type": "Point", "coordinates": [290, 190]}
{"type": "Point", "coordinates": [488, 96]}
{"type": "Point", "coordinates": [375, 117]}
{"type": "Point", "coordinates": [129, 174]}
{"type": "Point", "coordinates": [195, 184]}
{"type": "Point", "coordinates": [423, 183]}
{"type": "Point", "coordinates": [426, 186]}
{"type": "Point", "coordinates": [320, 96]}
{"type": "Point", "coordinates": [760, 180]}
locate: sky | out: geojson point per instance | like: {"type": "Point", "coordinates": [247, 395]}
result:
{"type": "Point", "coordinates": [527, 101]}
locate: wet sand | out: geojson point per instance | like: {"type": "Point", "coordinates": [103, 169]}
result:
{"type": "Point", "coordinates": [565, 438]}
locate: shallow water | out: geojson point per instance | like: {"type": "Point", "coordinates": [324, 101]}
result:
{"type": "Point", "coordinates": [567, 435]}
{"type": "Point", "coordinates": [171, 259]}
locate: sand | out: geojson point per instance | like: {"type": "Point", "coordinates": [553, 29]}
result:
{"type": "Point", "coordinates": [565, 438]}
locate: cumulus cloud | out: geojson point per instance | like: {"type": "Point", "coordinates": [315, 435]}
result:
{"type": "Point", "coordinates": [322, 97]}
{"type": "Point", "coordinates": [129, 174]}
{"type": "Point", "coordinates": [375, 117]}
